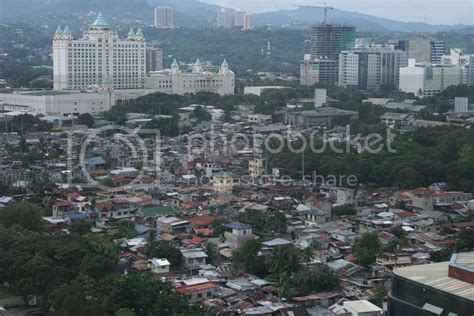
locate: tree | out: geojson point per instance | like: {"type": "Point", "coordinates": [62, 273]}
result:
{"type": "Point", "coordinates": [80, 227]}
{"type": "Point", "coordinates": [169, 252]}
{"type": "Point", "coordinates": [246, 258]}
{"type": "Point", "coordinates": [466, 240]}
{"type": "Point", "coordinates": [217, 226]}
{"type": "Point", "coordinates": [275, 223]}
{"type": "Point", "coordinates": [379, 293]}
{"type": "Point", "coordinates": [284, 258]}
{"type": "Point", "coordinates": [367, 248]}
{"type": "Point", "coordinates": [211, 250]}
{"type": "Point", "coordinates": [25, 215]}
{"type": "Point", "coordinates": [86, 119]}
{"type": "Point", "coordinates": [126, 228]}
{"type": "Point", "coordinates": [201, 114]}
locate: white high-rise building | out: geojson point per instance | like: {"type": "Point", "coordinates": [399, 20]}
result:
{"type": "Point", "coordinates": [223, 18]}
{"type": "Point", "coordinates": [100, 55]}
{"type": "Point", "coordinates": [239, 18]}
{"type": "Point", "coordinates": [248, 21]}
{"type": "Point", "coordinates": [371, 68]}
{"type": "Point", "coordinates": [164, 17]}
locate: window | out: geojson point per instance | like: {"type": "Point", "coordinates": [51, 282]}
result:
{"type": "Point", "coordinates": [199, 295]}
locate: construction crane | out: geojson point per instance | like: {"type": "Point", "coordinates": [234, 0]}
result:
{"type": "Point", "coordinates": [326, 8]}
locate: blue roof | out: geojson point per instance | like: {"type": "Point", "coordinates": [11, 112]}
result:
{"type": "Point", "coordinates": [95, 161]}
{"type": "Point", "coordinates": [74, 216]}
{"type": "Point", "coordinates": [140, 229]}
{"type": "Point", "coordinates": [100, 21]}
{"type": "Point", "coordinates": [238, 226]}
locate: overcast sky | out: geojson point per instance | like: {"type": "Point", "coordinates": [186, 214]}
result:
{"type": "Point", "coordinates": [437, 11]}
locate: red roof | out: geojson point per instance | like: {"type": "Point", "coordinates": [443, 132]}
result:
{"type": "Point", "coordinates": [197, 240]}
{"type": "Point", "coordinates": [104, 207]}
{"type": "Point", "coordinates": [204, 231]}
{"type": "Point", "coordinates": [63, 203]}
{"type": "Point", "coordinates": [406, 214]}
{"type": "Point", "coordinates": [195, 288]}
{"type": "Point", "coordinates": [202, 220]}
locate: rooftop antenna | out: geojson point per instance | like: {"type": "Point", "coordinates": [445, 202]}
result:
{"type": "Point", "coordinates": [326, 8]}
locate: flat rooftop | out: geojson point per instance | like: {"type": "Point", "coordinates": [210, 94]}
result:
{"type": "Point", "coordinates": [435, 275]}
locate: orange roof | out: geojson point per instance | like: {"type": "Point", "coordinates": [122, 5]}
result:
{"type": "Point", "coordinates": [167, 236]}
{"type": "Point", "coordinates": [204, 231]}
{"type": "Point", "coordinates": [201, 220]}
{"type": "Point", "coordinates": [63, 203]}
{"type": "Point", "coordinates": [195, 288]}
{"type": "Point", "coordinates": [406, 214]}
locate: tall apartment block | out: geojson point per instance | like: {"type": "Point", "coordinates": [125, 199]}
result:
{"type": "Point", "coordinates": [154, 59]}
{"type": "Point", "coordinates": [248, 21]}
{"type": "Point", "coordinates": [371, 69]}
{"type": "Point", "coordinates": [164, 17]}
{"type": "Point", "coordinates": [99, 56]}
{"type": "Point", "coordinates": [223, 18]}
{"type": "Point", "coordinates": [239, 18]}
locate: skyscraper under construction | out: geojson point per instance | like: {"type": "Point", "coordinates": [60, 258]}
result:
{"type": "Point", "coordinates": [328, 40]}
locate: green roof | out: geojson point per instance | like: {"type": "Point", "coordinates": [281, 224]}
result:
{"type": "Point", "coordinates": [59, 30]}
{"type": "Point", "coordinates": [404, 106]}
{"type": "Point", "coordinates": [175, 63]}
{"type": "Point", "coordinates": [139, 32]}
{"type": "Point", "coordinates": [225, 64]}
{"type": "Point", "coordinates": [324, 111]}
{"type": "Point", "coordinates": [313, 211]}
{"type": "Point", "coordinates": [100, 21]}
{"type": "Point", "coordinates": [131, 32]}
{"type": "Point", "coordinates": [66, 30]}
{"type": "Point", "coordinates": [160, 210]}
{"type": "Point", "coordinates": [224, 175]}
{"type": "Point", "coordinates": [106, 80]}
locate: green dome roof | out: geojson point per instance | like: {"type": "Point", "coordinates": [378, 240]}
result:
{"type": "Point", "coordinates": [174, 64]}
{"type": "Point", "coordinates": [66, 30]}
{"type": "Point", "coordinates": [139, 32]}
{"type": "Point", "coordinates": [100, 21]}
{"type": "Point", "coordinates": [59, 30]}
{"type": "Point", "coordinates": [131, 32]}
{"type": "Point", "coordinates": [225, 64]}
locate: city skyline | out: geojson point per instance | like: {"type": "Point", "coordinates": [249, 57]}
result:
{"type": "Point", "coordinates": [439, 12]}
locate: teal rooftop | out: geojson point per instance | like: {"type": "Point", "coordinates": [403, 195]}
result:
{"type": "Point", "coordinates": [225, 64]}
{"type": "Point", "coordinates": [131, 32]}
{"type": "Point", "coordinates": [59, 30]}
{"type": "Point", "coordinates": [139, 32]}
{"type": "Point", "coordinates": [175, 63]}
{"type": "Point", "coordinates": [100, 21]}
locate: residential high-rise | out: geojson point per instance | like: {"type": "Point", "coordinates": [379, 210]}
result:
{"type": "Point", "coordinates": [99, 55]}
{"type": "Point", "coordinates": [154, 59]}
{"type": "Point", "coordinates": [320, 97]}
{"type": "Point", "coordinates": [223, 18]}
{"type": "Point", "coordinates": [328, 40]}
{"type": "Point", "coordinates": [239, 18]}
{"type": "Point", "coordinates": [371, 69]}
{"type": "Point", "coordinates": [248, 21]}
{"type": "Point", "coordinates": [437, 51]}
{"type": "Point", "coordinates": [164, 17]}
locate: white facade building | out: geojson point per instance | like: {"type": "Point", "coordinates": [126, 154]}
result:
{"type": "Point", "coordinates": [428, 80]}
{"type": "Point", "coordinates": [202, 78]}
{"type": "Point", "coordinates": [164, 17]}
{"type": "Point", "coordinates": [59, 103]}
{"type": "Point", "coordinates": [79, 64]}
{"type": "Point", "coordinates": [248, 21]}
{"type": "Point", "coordinates": [239, 18]}
{"type": "Point", "coordinates": [223, 18]}
{"type": "Point", "coordinates": [371, 69]}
